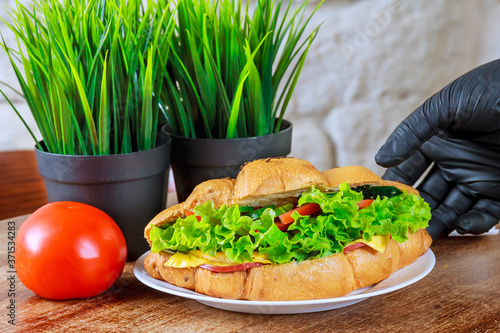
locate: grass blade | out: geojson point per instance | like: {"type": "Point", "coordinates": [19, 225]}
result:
{"type": "Point", "coordinates": [235, 109]}
{"type": "Point", "coordinates": [104, 121]}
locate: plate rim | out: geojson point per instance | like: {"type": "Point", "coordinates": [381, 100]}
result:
{"type": "Point", "coordinates": [360, 294]}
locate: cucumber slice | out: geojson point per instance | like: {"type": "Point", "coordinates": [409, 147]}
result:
{"type": "Point", "coordinates": [258, 212]}
{"type": "Point", "coordinates": [245, 209]}
{"type": "Point", "coordinates": [371, 192]}
{"type": "Point", "coordinates": [283, 209]}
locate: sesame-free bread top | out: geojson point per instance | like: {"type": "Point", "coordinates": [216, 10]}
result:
{"type": "Point", "coordinates": [355, 175]}
{"type": "Point", "coordinates": [266, 181]}
{"type": "Point", "coordinates": [220, 191]}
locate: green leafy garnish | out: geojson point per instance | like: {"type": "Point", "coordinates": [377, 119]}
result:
{"type": "Point", "coordinates": [227, 230]}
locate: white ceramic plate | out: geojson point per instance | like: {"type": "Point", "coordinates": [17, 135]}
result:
{"type": "Point", "coordinates": [400, 279]}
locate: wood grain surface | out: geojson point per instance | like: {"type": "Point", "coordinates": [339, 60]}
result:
{"type": "Point", "coordinates": [22, 189]}
{"type": "Point", "coordinates": [461, 294]}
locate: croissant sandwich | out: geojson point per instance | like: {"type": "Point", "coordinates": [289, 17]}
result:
{"type": "Point", "coordinates": [285, 231]}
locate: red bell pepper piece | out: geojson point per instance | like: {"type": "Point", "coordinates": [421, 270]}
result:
{"type": "Point", "coordinates": [307, 209]}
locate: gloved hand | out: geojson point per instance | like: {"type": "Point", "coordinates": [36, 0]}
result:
{"type": "Point", "coordinates": [459, 130]}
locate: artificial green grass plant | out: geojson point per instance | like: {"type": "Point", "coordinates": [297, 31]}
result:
{"type": "Point", "coordinates": [231, 71]}
{"type": "Point", "coordinates": [91, 71]}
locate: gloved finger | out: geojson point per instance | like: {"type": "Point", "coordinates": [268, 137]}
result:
{"type": "Point", "coordinates": [422, 124]}
{"type": "Point", "coordinates": [410, 170]}
{"type": "Point", "coordinates": [482, 217]}
{"type": "Point", "coordinates": [456, 203]}
{"type": "Point", "coordinates": [487, 188]}
{"type": "Point", "coordinates": [434, 188]}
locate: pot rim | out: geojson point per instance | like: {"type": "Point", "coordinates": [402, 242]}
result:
{"type": "Point", "coordinates": [286, 126]}
{"type": "Point", "coordinates": [162, 140]}
{"type": "Point", "coordinates": [101, 169]}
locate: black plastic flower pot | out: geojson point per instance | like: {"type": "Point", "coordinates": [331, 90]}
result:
{"type": "Point", "coordinates": [197, 160]}
{"type": "Point", "coordinates": [131, 188]}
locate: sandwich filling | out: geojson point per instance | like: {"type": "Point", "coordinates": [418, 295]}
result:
{"type": "Point", "coordinates": [321, 224]}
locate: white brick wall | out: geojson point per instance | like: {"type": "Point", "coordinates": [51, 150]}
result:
{"type": "Point", "coordinates": [373, 62]}
{"type": "Point", "coordinates": [13, 134]}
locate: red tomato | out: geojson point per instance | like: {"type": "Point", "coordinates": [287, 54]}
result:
{"type": "Point", "coordinates": [69, 250]}
{"type": "Point", "coordinates": [306, 209]}
{"type": "Point", "coordinates": [353, 247]}
{"type": "Point", "coordinates": [189, 213]}
{"type": "Point", "coordinates": [282, 226]}
{"type": "Point", "coordinates": [365, 203]}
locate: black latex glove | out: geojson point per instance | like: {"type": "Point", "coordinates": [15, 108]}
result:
{"type": "Point", "coordinates": [459, 130]}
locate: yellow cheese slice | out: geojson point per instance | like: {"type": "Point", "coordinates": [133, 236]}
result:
{"type": "Point", "coordinates": [378, 242]}
{"type": "Point", "coordinates": [196, 258]}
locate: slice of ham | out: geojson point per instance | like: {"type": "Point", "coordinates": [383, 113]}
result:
{"type": "Point", "coordinates": [232, 268]}
{"type": "Point", "coordinates": [353, 247]}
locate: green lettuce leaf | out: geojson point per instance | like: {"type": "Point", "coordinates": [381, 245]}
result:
{"type": "Point", "coordinates": [228, 230]}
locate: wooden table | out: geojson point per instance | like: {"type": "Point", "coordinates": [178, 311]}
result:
{"type": "Point", "coordinates": [22, 189]}
{"type": "Point", "coordinates": [461, 294]}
